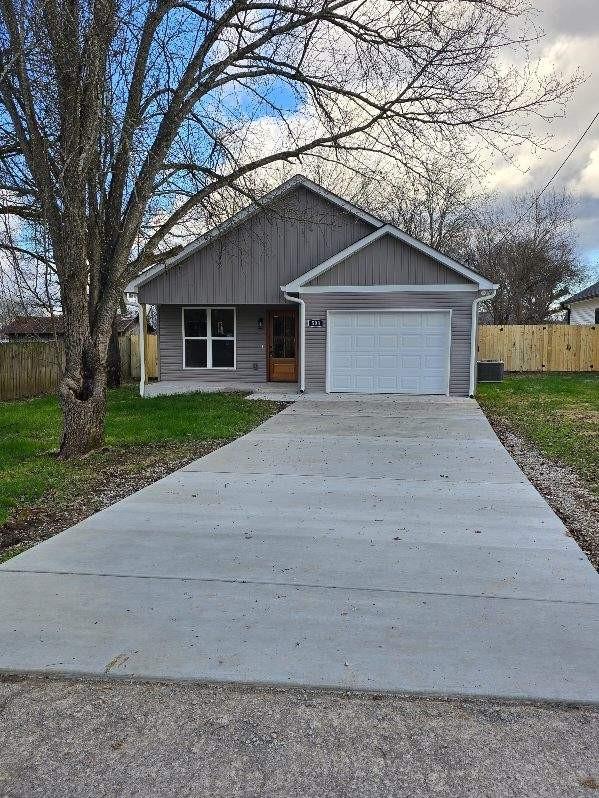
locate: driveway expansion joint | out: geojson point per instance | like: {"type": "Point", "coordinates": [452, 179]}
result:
{"type": "Point", "coordinates": [299, 585]}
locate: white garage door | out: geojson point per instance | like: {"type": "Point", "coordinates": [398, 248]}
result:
{"type": "Point", "coordinates": [389, 351]}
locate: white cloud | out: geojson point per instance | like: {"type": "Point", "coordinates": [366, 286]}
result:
{"type": "Point", "coordinates": [587, 182]}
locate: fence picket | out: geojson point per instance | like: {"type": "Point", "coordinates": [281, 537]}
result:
{"type": "Point", "coordinates": [540, 347]}
{"type": "Point", "coordinates": [33, 368]}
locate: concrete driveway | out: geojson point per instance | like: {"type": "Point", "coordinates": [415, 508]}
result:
{"type": "Point", "coordinates": [370, 543]}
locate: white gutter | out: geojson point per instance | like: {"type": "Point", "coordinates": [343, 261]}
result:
{"type": "Point", "coordinates": [142, 349]}
{"type": "Point", "coordinates": [302, 326]}
{"type": "Point", "coordinates": [473, 330]}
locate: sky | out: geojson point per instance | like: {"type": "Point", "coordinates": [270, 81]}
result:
{"type": "Point", "coordinates": [570, 42]}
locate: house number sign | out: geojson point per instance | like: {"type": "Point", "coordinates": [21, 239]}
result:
{"type": "Point", "coordinates": [315, 322]}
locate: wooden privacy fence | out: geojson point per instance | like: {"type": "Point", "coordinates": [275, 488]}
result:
{"type": "Point", "coordinates": [151, 357]}
{"type": "Point", "coordinates": [29, 369]}
{"type": "Point", "coordinates": [540, 347]}
{"type": "Point", "coordinates": [34, 368]}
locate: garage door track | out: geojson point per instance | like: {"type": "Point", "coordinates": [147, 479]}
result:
{"type": "Point", "coordinates": [378, 543]}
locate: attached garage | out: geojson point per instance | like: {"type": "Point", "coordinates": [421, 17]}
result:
{"type": "Point", "coordinates": [389, 351]}
{"type": "Point", "coordinates": [389, 315]}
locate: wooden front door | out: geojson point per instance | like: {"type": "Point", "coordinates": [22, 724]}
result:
{"type": "Point", "coordinates": [282, 345]}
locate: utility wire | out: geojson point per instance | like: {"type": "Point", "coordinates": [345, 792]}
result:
{"type": "Point", "coordinates": [568, 156]}
{"type": "Point", "coordinates": [550, 181]}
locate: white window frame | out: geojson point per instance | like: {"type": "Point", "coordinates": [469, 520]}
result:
{"type": "Point", "coordinates": [208, 337]}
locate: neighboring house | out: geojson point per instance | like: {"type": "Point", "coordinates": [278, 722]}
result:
{"type": "Point", "coordinates": [583, 307]}
{"type": "Point", "coordinates": [307, 287]}
{"type": "Point", "coordinates": [46, 328]}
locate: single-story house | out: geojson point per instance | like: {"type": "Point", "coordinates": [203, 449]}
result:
{"type": "Point", "coordinates": [583, 307]}
{"type": "Point", "coordinates": [304, 287]}
{"type": "Point", "coordinates": [46, 328]}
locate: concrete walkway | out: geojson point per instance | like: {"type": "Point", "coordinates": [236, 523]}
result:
{"type": "Point", "coordinates": [380, 543]}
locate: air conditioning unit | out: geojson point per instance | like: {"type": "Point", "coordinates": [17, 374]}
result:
{"type": "Point", "coordinates": [489, 370]}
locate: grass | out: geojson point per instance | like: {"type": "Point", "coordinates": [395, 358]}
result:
{"type": "Point", "coordinates": [30, 430]}
{"type": "Point", "coordinates": [558, 413]}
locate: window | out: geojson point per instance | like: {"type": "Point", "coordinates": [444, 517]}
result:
{"type": "Point", "coordinates": [208, 338]}
{"type": "Point", "coordinates": [596, 315]}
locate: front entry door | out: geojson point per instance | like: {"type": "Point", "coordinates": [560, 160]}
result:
{"type": "Point", "coordinates": [282, 345]}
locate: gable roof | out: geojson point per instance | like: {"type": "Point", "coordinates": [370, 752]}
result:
{"type": "Point", "coordinates": [246, 213]}
{"type": "Point", "coordinates": [388, 229]}
{"type": "Point", "coordinates": [280, 191]}
{"type": "Point", "coordinates": [590, 292]}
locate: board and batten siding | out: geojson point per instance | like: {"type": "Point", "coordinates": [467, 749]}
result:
{"type": "Point", "coordinates": [583, 312]}
{"type": "Point", "coordinates": [250, 347]}
{"type": "Point", "coordinates": [460, 303]}
{"type": "Point", "coordinates": [249, 263]}
{"type": "Point", "coordinates": [388, 261]}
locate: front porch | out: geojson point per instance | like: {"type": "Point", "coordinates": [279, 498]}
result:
{"type": "Point", "coordinates": [277, 391]}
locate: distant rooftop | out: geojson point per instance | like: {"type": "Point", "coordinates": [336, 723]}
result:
{"type": "Point", "coordinates": [48, 326]}
{"type": "Point", "coordinates": [587, 293]}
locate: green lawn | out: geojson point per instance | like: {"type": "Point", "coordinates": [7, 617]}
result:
{"type": "Point", "coordinates": [29, 434]}
{"type": "Point", "coordinates": [559, 413]}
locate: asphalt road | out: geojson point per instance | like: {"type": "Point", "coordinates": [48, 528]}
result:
{"type": "Point", "coordinates": [61, 739]}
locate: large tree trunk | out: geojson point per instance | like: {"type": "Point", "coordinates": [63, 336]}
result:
{"type": "Point", "coordinates": [82, 393]}
{"type": "Point", "coordinates": [83, 423]}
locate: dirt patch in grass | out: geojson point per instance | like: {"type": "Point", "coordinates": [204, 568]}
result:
{"type": "Point", "coordinates": [104, 478]}
{"type": "Point", "coordinates": [564, 490]}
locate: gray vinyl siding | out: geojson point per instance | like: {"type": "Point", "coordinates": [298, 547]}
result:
{"type": "Point", "coordinates": [461, 318]}
{"type": "Point", "coordinates": [249, 263]}
{"type": "Point", "coordinates": [388, 261]}
{"type": "Point", "coordinates": [250, 347]}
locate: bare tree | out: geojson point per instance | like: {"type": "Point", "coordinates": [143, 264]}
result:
{"type": "Point", "coordinates": [121, 122]}
{"type": "Point", "coordinates": [432, 200]}
{"type": "Point", "coordinates": [530, 250]}
{"type": "Point", "coordinates": [27, 276]}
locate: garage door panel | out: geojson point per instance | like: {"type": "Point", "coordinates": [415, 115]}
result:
{"type": "Point", "coordinates": [369, 362]}
{"type": "Point", "coordinates": [343, 343]}
{"type": "Point", "coordinates": [388, 322]}
{"type": "Point", "coordinates": [365, 342]}
{"type": "Point", "coordinates": [389, 352]}
{"type": "Point", "coordinates": [435, 321]}
{"type": "Point", "coordinates": [344, 361]}
{"type": "Point", "coordinates": [367, 320]}
{"type": "Point", "coordinates": [408, 362]}
{"type": "Point", "coordinates": [364, 383]}
{"type": "Point", "coordinates": [434, 362]}
{"type": "Point", "coordinates": [415, 342]}
{"type": "Point", "coordinates": [434, 339]}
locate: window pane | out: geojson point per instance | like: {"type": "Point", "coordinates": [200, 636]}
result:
{"type": "Point", "coordinates": [223, 354]}
{"type": "Point", "coordinates": [283, 336]}
{"type": "Point", "coordinates": [223, 323]}
{"type": "Point", "coordinates": [195, 322]}
{"type": "Point", "coordinates": [195, 353]}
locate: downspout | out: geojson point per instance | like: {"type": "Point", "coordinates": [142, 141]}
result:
{"type": "Point", "coordinates": [473, 331]}
{"type": "Point", "coordinates": [302, 326]}
{"type": "Point", "coordinates": [142, 349]}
